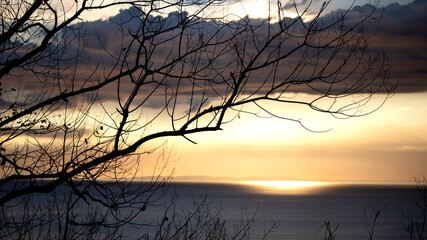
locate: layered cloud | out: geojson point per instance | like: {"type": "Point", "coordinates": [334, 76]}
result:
{"type": "Point", "coordinates": [400, 33]}
{"type": "Point", "coordinates": [403, 35]}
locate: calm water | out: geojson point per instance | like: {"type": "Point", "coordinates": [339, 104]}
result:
{"type": "Point", "coordinates": [301, 214]}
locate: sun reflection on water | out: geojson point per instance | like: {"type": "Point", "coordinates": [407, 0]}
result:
{"type": "Point", "coordinates": [286, 187]}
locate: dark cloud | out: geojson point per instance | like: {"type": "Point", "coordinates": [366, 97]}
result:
{"type": "Point", "coordinates": [408, 20]}
{"type": "Point", "coordinates": [401, 34]}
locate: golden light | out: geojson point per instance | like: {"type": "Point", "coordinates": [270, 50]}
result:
{"type": "Point", "coordinates": [286, 184]}
{"type": "Point", "coordinates": [286, 187]}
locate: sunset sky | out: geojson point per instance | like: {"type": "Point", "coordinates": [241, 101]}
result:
{"type": "Point", "coordinates": [387, 145]}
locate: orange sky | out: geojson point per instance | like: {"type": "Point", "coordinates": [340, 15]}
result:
{"type": "Point", "coordinates": [388, 145]}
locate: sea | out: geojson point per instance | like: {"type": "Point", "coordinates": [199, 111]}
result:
{"type": "Point", "coordinates": [298, 210]}
{"type": "Point", "coordinates": [303, 211]}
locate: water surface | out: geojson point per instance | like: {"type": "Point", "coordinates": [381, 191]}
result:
{"type": "Point", "coordinates": [301, 209]}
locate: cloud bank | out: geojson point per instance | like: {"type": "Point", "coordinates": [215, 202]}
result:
{"type": "Point", "coordinates": [401, 34]}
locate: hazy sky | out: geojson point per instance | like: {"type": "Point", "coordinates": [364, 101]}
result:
{"type": "Point", "coordinates": [388, 145]}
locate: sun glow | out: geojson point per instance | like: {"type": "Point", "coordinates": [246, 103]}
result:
{"type": "Point", "coordinates": [285, 184]}
{"type": "Point", "coordinates": [286, 187]}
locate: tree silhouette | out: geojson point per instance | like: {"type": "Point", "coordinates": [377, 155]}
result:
{"type": "Point", "coordinates": [78, 106]}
